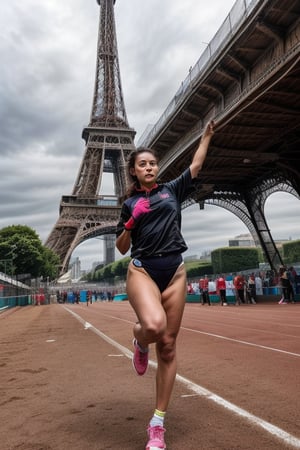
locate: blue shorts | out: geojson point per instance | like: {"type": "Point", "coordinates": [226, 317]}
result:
{"type": "Point", "coordinates": [160, 268]}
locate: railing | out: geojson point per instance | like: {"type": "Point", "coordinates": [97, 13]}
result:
{"type": "Point", "coordinates": [235, 19]}
{"type": "Point", "coordinates": [96, 200]}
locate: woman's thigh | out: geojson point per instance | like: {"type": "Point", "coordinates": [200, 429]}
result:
{"type": "Point", "coordinates": [173, 300]}
{"type": "Point", "coordinates": [144, 295]}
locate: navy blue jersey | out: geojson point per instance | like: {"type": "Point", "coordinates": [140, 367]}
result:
{"type": "Point", "coordinates": [159, 231]}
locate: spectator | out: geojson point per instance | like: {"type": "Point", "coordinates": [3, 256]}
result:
{"type": "Point", "coordinates": [251, 289]}
{"type": "Point", "coordinates": [190, 289]}
{"type": "Point", "coordinates": [291, 274]}
{"type": "Point", "coordinates": [285, 285]}
{"type": "Point", "coordinates": [239, 284]}
{"type": "Point", "coordinates": [203, 286]}
{"type": "Point", "coordinates": [221, 289]}
{"type": "Point", "coordinates": [258, 285]}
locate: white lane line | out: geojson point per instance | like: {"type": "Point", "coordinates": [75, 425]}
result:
{"type": "Point", "coordinates": [89, 326]}
{"type": "Point", "coordinates": [219, 337]}
{"type": "Point", "coordinates": [242, 342]}
{"type": "Point", "coordinates": [275, 431]}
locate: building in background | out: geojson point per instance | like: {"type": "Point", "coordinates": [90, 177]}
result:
{"type": "Point", "coordinates": [242, 240]}
{"type": "Point", "coordinates": [75, 266]}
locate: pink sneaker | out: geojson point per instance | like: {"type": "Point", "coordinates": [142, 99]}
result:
{"type": "Point", "coordinates": [156, 438]}
{"type": "Point", "coordinates": [140, 359]}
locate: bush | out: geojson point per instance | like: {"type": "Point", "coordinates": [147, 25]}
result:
{"type": "Point", "coordinates": [197, 268]}
{"type": "Point", "coordinates": [291, 252]}
{"type": "Point", "coordinates": [234, 259]}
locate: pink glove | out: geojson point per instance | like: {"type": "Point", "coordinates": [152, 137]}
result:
{"type": "Point", "coordinates": [141, 207]}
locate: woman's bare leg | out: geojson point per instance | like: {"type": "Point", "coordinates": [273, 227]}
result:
{"type": "Point", "coordinates": [145, 298]}
{"type": "Point", "coordinates": [173, 301]}
{"type": "Point", "coordinates": [159, 317]}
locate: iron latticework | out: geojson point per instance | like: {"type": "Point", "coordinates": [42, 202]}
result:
{"type": "Point", "coordinates": [249, 207]}
{"type": "Point", "coordinates": [109, 139]}
{"type": "Point", "coordinates": [108, 104]}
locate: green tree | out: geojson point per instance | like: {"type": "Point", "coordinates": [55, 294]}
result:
{"type": "Point", "coordinates": [118, 269]}
{"type": "Point", "coordinates": [22, 246]}
{"type": "Point", "coordinates": [51, 263]}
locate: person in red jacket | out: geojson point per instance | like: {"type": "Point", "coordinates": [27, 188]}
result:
{"type": "Point", "coordinates": [221, 289]}
{"type": "Point", "coordinates": [203, 286]}
{"type": "Point", "coordinates": [239, 285]}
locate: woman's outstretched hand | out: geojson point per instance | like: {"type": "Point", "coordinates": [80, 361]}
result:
{"type": "Point", "coordinates": [209, 130]}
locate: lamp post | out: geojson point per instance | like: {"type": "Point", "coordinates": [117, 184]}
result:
{"type": "Point", "coordinates": [13, 255]}
{"type": "Point", "coordinates": [5, 262]}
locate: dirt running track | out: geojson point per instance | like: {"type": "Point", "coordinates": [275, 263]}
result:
{"type": "Point", "coordinates": [66, 381]}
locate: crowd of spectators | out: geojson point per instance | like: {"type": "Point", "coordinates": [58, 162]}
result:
{"type": "Point", "coordinates": [245, 288]}
{"type": "Point", "coordinates": [90, 296]}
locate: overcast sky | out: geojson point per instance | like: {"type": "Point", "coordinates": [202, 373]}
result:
{"type": "Point", "coordinates": [48, 60]}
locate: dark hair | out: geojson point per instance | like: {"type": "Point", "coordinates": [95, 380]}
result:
{"type": "Point", "coordinates": [282, 269]}
{"type": "Point", "coordinates": [133, 181]}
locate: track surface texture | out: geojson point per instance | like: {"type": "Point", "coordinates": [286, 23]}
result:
{"type": "Point", "coordinates": [67, 383]}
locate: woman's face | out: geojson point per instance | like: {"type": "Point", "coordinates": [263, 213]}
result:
{"type": "Point", "coordinates": [145, 169]}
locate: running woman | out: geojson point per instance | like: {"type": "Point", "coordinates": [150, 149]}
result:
{"type": "Point", "coordinates": [150, 223]}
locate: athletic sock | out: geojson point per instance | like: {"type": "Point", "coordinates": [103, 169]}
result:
{"type": "Point", "coordinates": [158, 418]}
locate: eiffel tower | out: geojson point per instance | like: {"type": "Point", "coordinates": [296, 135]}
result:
{"type": "Point", "coordinates": [108, 140]}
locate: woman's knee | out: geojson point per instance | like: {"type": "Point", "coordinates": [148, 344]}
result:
{"type": "Point", "coordinates": [155, 327]}
{"type": "Point", "coordinates": [167, 349]}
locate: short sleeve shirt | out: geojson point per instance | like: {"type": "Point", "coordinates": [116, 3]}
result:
{"type": "Point", "coordinates": [159, 231]}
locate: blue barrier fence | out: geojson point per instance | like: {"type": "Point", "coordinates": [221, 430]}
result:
{"type": "Point", "coordinates": [13, 301]}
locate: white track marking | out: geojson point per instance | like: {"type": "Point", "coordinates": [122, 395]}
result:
{"type": "Point", "coordinates": [254, 420]}
{"type": "Point", "coordinates": [275, 431]}
{"type": "Point", "coordinates": [89, 326]}
{"type": "Point", "coordinates": [242, 342]}
{"type": "Point", "coordinates": [217, 336]}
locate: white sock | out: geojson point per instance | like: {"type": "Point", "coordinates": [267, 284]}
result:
{"type": "Point", "coordinates": [158, 418]}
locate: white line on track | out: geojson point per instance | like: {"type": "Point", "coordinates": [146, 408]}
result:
{"type": "Point", "coordinates": [275, 431]}
{"type": "Point", "coordinates": [217, 336]}
{"type": "Point", "coordinates": [242, 342]}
